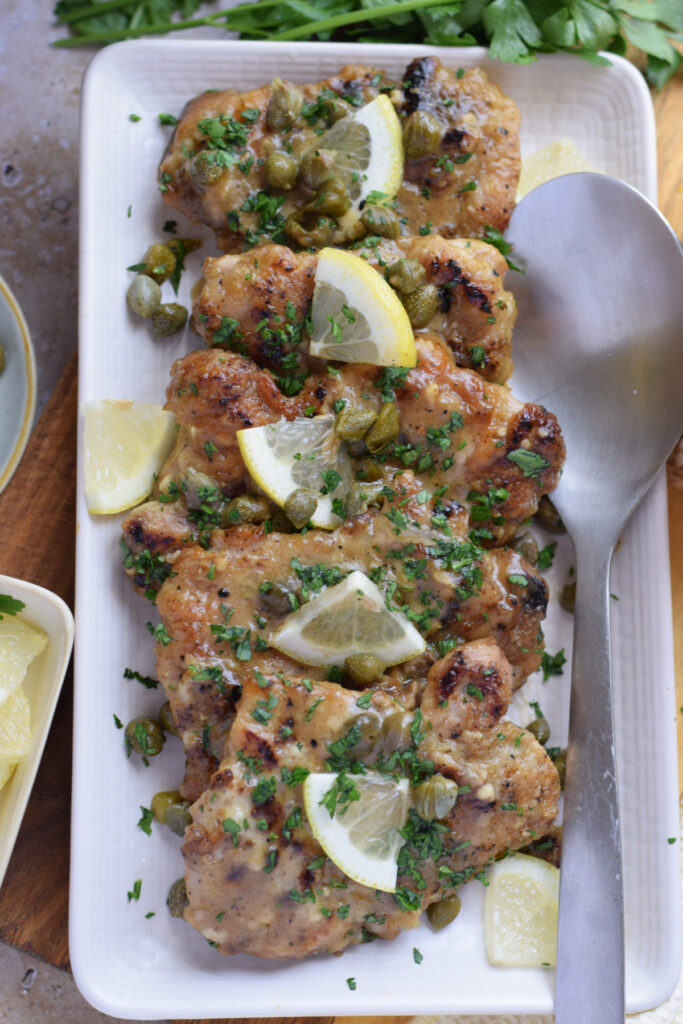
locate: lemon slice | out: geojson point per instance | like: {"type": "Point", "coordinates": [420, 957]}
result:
{"type": "Point", "coordinates": [15, 726]}
{"type": "Point", "coordinates": [362, 837]}
{"type": "Point", "coordinates": [6, 769]}
{"type": "Point", "coordinates": [125, 445]}
{"type": "Point", "coordinates": [19, 645]}
{"type": "Point", "coordinates": [283, 456]}
{"type": "Point", "coordinates": [520, 912]}
{"type": "Point", "coordinates": [356, 316]}
{"type": "Point", "coordinates": [560, 157]}
{"type": "Point", "coordinates": [369, 147]}
{"type": "Point", "coordinates": [348, 618]}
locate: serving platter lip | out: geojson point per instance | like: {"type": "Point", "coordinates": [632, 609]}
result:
{"type": "Point", "coordinates": [131, 966]}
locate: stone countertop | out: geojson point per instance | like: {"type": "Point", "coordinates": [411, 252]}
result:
{"type": "Point", "coordinates": [39, 180]}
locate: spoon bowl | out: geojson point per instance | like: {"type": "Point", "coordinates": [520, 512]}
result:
{"type": "Point", "coordinates": [599, 341]}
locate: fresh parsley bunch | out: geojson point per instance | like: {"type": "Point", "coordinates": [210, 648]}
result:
{"type": "Point", "coordinates": [514, 30]}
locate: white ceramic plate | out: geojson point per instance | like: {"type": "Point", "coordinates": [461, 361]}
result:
{"type": "Point", "coordinates": [130, 965]}
{"type": "Point", "coordinates": [17, 384]}
{"type": "Point", "coordinates": [42, 684]}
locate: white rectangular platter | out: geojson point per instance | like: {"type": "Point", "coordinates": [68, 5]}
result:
{"type": "Point", "coordinates": [132, 965]}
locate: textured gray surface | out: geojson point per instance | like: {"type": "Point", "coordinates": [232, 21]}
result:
{"type": "Point", "coordinates": [39, 90]}
{"type": "Point", "coordinates": [32, 991]}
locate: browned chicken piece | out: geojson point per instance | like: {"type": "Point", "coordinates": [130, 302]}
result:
{"type": "Point", "coordinates": [257, 880]}
{"type": "Point", "coordinates": [221, 604]}
{"type": "Point", "coordinates": [215, 167]}
{"type": "Point", "coordinates": [257, 303]}
{"type": "Point", "coordinates": [456, 431]}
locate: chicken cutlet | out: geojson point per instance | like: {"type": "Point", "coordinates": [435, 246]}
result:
{"type": "Point", "coordinates": [257, 303]}
{"type": "Point", "coordinates": [463, 179]}
{"type": "Point", "coordinates": [220, 605]}
{"type": "Point", "coordinates": [258, 881]}
{"type": "Point", "coordinates": [457, 432]}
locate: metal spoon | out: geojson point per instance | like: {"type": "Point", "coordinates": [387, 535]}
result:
{"type": "Point", "coordinates": [599, 341]}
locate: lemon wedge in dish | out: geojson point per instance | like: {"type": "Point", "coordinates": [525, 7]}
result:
{"type": "Point", "coordinates": [356, 819]}
{"type": "Point", "coordinates": [369, 150]}
{"type": "Point", "coordinates": [560, 157]}
{"type": "Point", "coordinates": [349, 618]}
{"type": "Point", "coordinates": [520, 912]}
{"type": "Point", "coordinates": [15, 727]}
{"type": "Point", "coordinates": [291, 455]}
{"type": "Point", "coordinates": [125, 446]}
{"type": "Point", "coordinates": [19, 645]}
{"type": "Point", "coordinates": [356, 316]}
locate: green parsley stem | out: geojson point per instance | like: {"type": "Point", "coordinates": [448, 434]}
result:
{"type": "Point", "coordinates": [230, 20]}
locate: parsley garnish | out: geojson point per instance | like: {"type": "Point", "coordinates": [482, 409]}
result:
{"type": "Point", "coordinates": [145, 822]}
{"type": "Point", "coordinates": [552, 664]}
{"type": "Point", "coordinates": [10, 605]}
{"type": "Point", "coordinates": [531, 463]}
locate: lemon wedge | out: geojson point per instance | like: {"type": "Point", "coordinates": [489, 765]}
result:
{"type": "Point", "coordinates": [362, 835]}
{"type": "Point", "coordinates": [520, 912]}
{"type": "Point", "coordinates": [356, 316]}
{"type": "Point", "coordinates": [6, 769]}
{"type": "Point", "coordinates": [349, 618]}
{"type": "Point", "coordinates": [125, 445]}
{"type": "Point", "coordinates": [560, 157]}
{"type": "Point", "coordinates": [291, 454]}
{"type": "Point", "coordinates": [19, 645]}
{"type": "Point", "coordinates": [15, 726]}
{"type": "Point", "coordinates": [369, 150]}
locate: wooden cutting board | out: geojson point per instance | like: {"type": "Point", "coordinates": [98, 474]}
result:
{"type": "Point", "coordinates": [37, 530]}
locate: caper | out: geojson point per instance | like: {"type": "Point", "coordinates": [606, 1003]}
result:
{"type": "Point", "coordinates": [384, 429]}
{"type": "Point", "coordinates": [145, 736]}
{"type": "Point", "coordinates": [421, 134]}
{"type": "Point", "coordinates": [169, 318]}
{"type": "Point", "coordinates": [300, 506]}
{"type": "Point", "coordinates": [316, 166]}
{"type": "Point", "coordinates": [143, 295]}
{"type": "Point", "coordinates": [435, 797]}
{"type": "Point", "coordinates": [525, 545]}
{"type": "Point", "coordinates": [568, 597]}
{"type": "Point", "coordinates": [380, 220]}
{"type": "Point", "coordinates": [245, 508]}
{"type": "Point", "coordinates": [178, 816]}
{"type": "Point", "coordinates": [405, 275]}
{"type": "Point", "coordinates": [205, 170]}
{"type": "Point", "coordinates": [370, 726]}
{"type": "Point", "coordinates": [442, 913]}
{"type": "Point", "coordinates": [368, 470]}
{"type": "Point", "coordinates": [162, 801]}
{"type": "Point", "coordinates": [395, 731]}
{"type": "Point", "coordinates": [280, 170]}
{"type": "Point", "coordinates": [540, 729]}
{"type": "Point", "coordinates": [159, 262]}
{"type": "Point", "coordinates": [166, 719]}
{"type": "Point", "coordinates": [284, 105]}
{"type": "Point", "coordinates": [354, 421]}
{"type": "Point", "coordinates": [363, 669]}
{"type": "Point", "coordinates": [177, 900]}
{"type": "Point", "coordinates": [361, 495]}
{"type": "Point", "coordinates": [310, 230]}
{"type": "Point", "coordinates": [279, 523]}
{"type": "Point", "coordinates": [335, 109]}
{"type": "Point", "coordinates": [276, 598]}
{"type": "Point", "coordinates": [332, 198]}
{"type": "Point", "coordinates": [560, 761]}
{"type": "Point", "coordinates": [421, 305]}
{"type": "Point", "coordinates": [548, 516]}
{"type": "Point", "coordinates": [200, 489]}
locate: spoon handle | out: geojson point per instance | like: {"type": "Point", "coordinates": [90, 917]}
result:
{"type": "Point", "coordinates": [590, 955]}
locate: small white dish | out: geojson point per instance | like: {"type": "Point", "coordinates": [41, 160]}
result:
{"type": "Point", "coordinates": [42, 684]}
{"type": "Point", "coordinates": [17, 384]}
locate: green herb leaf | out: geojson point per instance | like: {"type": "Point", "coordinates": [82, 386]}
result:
{"type": "Point", "coordinates": [10, 605]}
